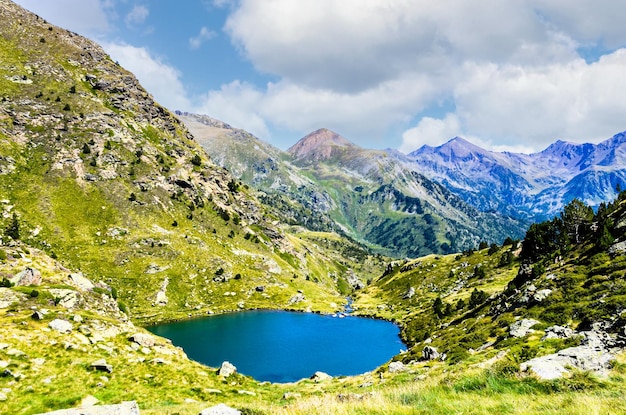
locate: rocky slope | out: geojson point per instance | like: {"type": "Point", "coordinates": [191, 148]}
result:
{"type": "Point", "coordinates": [326, 182]}
{"type": "Point", "coordinates": [533, 186]}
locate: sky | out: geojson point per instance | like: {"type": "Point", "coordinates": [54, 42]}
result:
{"type": "Point", "coordinates": [512, 75]}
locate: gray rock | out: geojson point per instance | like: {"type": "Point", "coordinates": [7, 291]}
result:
{"type": "Point", "coordinates": [124, 408]}
{"type": "Point", "coordinates": [522, 327]}
{"type": "Point", "coordinates": [227, 369]}
{"type": "Point", "coordinates": [298, 298]}
{"type": "Point", "coordinates": [65, 298]}
{"type": "Point", "coordinates": [541, 295]}
{"type": "Point", "coordinates": [62, 326]}
{"type": "Point", "coordinates": [395, 367]}
{"type": "Point", "coordinates": [143, 339]}
{"type": "Point", "coordinates": [102, 365]}
{"type": "Point", "coordinates": [220, 409]}
{"type": "Point", "coordinates": [37, 315]}
{"type": "Point", "coordinates": [430, 353]}
{"type": "Point", "coordinates": [291, 395]}
{"type": "Point", "coordinates": [320, 377]}
{"type": "Point", "coordinates": [30, 276]}
{"type": "Point", "coordinates": [410, 293]}
{"type": "Point", "coordinates": [555, 365]}
{"type": "Point", "coordinates": [78, 280]}
{"type": "Point", "coordinates": [558, 332]}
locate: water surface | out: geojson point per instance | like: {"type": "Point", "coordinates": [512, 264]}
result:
{"type": "Point", "coordinates": [280, 346]}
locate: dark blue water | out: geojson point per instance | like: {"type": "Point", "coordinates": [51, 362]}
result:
{"type": "Point", "coordinates": [281, 346]}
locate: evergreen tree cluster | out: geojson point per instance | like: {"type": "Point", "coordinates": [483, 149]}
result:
{"type": "Point", "coordinates": [577, 224]}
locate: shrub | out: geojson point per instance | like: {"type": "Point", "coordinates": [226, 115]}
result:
{"type": "Point", "coordinates": [34, 294]}
{"type": "Point", "coordinates": [13, 228]}
{"type": "Point", "coordinates": [477, 297]}
{"type": "Point", "coordinates": [196, 160]}
{"type": "Point", "coordinates": [123, 308]}
{"type": "Point", "coordinates": [66, 107]}
{"type": "Point", "coordinates": [6, 283]}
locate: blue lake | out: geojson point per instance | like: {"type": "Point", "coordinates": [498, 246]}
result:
{"type": "Point", "coordinates": [281, 346]}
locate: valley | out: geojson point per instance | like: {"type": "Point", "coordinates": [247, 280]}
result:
{"type": "Point", "coordinates": [117, 214]}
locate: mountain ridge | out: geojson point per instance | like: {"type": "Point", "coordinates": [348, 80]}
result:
{"type": "Point", "coordinates": [533, 185]}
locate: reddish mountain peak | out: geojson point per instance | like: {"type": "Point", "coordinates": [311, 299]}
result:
{"type": "Point", "coordinates": [318, 145]}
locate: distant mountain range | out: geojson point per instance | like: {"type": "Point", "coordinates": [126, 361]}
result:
{"type": "Point", "coordinates": [433, 200]}
{"type": "Point", "coordinates": [374, 196]}
{"type": "Point", "coordinates": [527, 186]}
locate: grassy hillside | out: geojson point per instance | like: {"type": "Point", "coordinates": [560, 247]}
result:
{"type": "Point", "coordinates": [108, 181]}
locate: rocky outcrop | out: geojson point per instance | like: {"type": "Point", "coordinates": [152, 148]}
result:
{"type": "Point", "coordinates": [556, 365]}
{"type": "Point", "coordinates": [558, 332]}
{"type": "Point", "coordinates": [522, 327]}
{"type": "Point", "coordinates": [594, 354]}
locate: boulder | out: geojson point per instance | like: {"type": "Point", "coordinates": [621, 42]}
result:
{"type": "Point", "coordinates": [410, 293]}
{"type": "Point", "coordinates": [220, 409]}
{"type": "Point", "coordinates": [37, 315]}
{"type": "Point", "coordinates": [227, 369]}
{"type": "Point", "coordinates": [395, 367]}
{"type": "Point", "coordinates": [320, 377]}
{"type": "Point", "coordinates": [62, 326]}
{"type": "Point", "coordinates": [143, 339]}
{"type": "Point", "coordinates": [522, 327]}
{"type": "Point", "coordinates": [30, 276]}
{"type": "Point", "coordinates": [124, 408]}
{"type": "Point", "coordinates": [555, 365]}
{"type": "Point", "coordinates": [79, 281]}
{"type": "Point", "coordinates": [102, 366]}
{"type": "Point", "coordinates": [430, 353]}
{"type": "Point", "coordinates": [291, 395]}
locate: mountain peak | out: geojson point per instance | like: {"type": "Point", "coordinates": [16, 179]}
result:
{"type": "Point", "coordinates": [319, 145]}
{"type": "Point", "coordinates": [455, 148]}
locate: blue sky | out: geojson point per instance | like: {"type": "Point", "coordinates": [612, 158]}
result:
{"type": "Point", "coordinates": [507, 75]}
